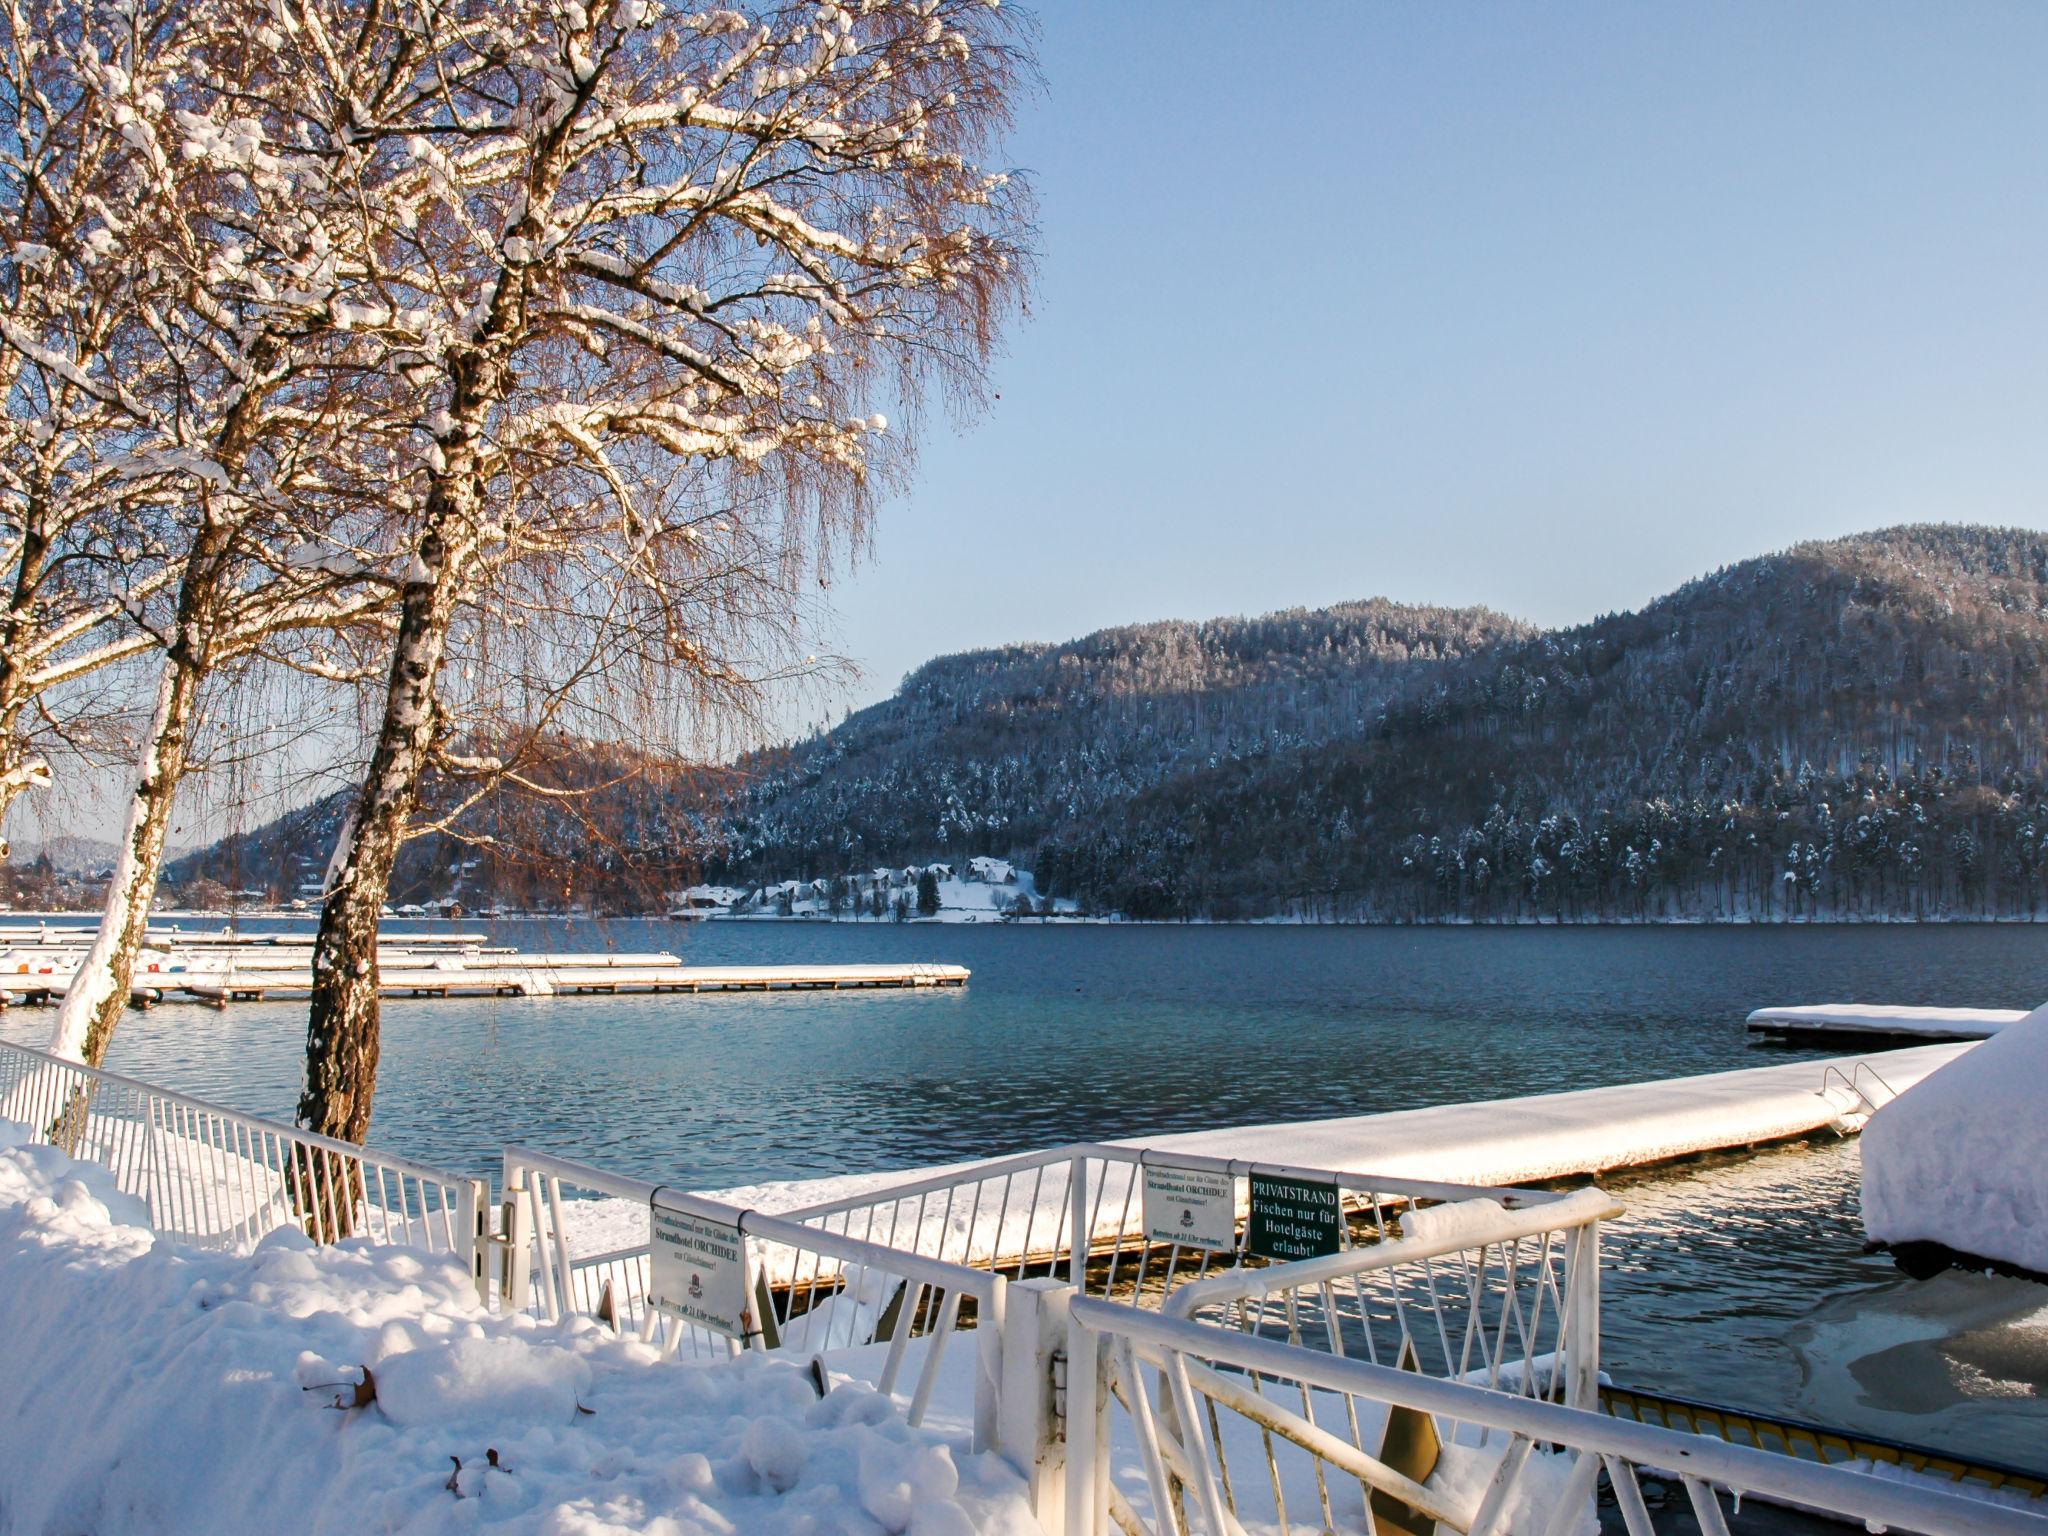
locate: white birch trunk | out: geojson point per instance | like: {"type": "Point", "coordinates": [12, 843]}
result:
{"type": "Point", "coordinates": [99, 989]}
{"type": "Point", "coordinates": [343, 1025]}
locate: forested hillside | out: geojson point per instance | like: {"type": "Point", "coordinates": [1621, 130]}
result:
{"type": "Point", "coordinates": [1848, 729]}
{"type": "Point", "coordinates": [993, 751]}
{"type": "Point", "coordinates": [1853, 728]}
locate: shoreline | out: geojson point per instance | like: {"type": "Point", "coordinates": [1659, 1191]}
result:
{"type": "Point", "coordinates": [89, 916]}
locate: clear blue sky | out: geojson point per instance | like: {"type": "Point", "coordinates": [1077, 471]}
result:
{"type": "Point", "coordinates": [1548, 307]}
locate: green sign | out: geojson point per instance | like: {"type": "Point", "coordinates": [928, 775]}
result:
{"type": "Point", "coordinates": [1294, 1218]}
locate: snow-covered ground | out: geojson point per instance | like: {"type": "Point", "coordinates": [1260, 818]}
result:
{"type": "Point", "coordinates": [155, 1388]}
{"type": "Point", "coordinates": [1961, 1159]}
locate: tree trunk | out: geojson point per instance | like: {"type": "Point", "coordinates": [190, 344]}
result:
{"type": "Point", "coordinates": [99, 990]}
{"type": "Point", "coordinates": [343, 1026]}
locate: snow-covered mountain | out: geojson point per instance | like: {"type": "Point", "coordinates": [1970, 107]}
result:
{"type": "Point", "coordinates": [1855, 728]}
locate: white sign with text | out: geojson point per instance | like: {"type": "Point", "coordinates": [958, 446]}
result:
{"type": "Point", "coordinates": [1190, 1207]}
{"type": "Point", "coordinates": [699, 1272]}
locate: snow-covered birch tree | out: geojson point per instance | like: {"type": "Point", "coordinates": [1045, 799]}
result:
{"type": "Point", "coordinates": [220, 398]}
{"type": "Point", "coordinates": [719, 237]}
{"type": "Point", "coordinates": [79, 549]}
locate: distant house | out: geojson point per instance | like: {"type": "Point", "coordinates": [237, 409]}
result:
{"type": "Point", "coordinates": [704, 900]}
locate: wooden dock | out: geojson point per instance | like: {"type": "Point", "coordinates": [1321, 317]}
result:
{"type": "Point", "coordinates": [1863, 1023]}
{"type": "Point", "coordinates": [547, 976]}
{"type": "Point", "coordinates": [203, 969]}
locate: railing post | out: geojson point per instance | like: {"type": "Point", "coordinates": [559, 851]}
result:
{"type": "Point", "coordinates": [1029, 1430]}
{"type": "Point", "coordinates": [515, 1263]}
{"type": "Point", "coordinates": [472, 1209]}
{"type": "Point", "coordinates": [991, 1323]}
{"type": "Point", "coordinates": [1077, 1222]}
{"type": "Point", "coordinates": [1582, 1348]}
{"type": "Point", "coordinates": [1087, 1490]}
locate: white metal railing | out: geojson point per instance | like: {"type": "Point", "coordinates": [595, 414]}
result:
{"type": "Point", "coordinates": [1864, 1101]}
{"type": "Point", "coordinates": [867, 1306]}
{"type": "Point", "coordinates": [1231, 1431]}
{"type": "Point", "coordinates": [1470, 1291]}
{"type": "Point", "coordinates": [221, 1179]}
{"type": "Point", "coordinates": [1078, 1211]}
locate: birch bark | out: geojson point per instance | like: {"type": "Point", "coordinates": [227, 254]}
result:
{"type": "Point", "coordinates": [100, 987]}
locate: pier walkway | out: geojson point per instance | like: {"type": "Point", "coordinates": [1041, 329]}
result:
{"type": "Point", "coordinates": [1867, 1023]}
{"type": "Point", "coordinates": [1531, 1140]}
{"type": "Point", "coordinates": [220, 973]}
{"type": "Point", "coordinates": [1560, 1135]}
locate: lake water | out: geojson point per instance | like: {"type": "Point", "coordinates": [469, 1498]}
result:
{"type": "Point", "coordinates": [1739, 1281]}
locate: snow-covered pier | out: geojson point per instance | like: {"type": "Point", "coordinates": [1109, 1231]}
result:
{"type": "Point", "coordinates": [205, 968]}
{"type": "Point", "coordinates": [1499, 1143]}
{"type": "Point", "coordinates": [1881, 1021]}
{"type": "Point", "coordinates": [1593, 1130]}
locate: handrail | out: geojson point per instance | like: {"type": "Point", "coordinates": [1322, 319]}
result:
{"type": "Point", "coordinates": [218, 1177]}
{"type": "Point", "coordinates": [1579, 1208]}
{"type": "Point", "coordinates": [387, 1160]}
{"type": "Point", "coordinates": [929, 1183]}
{"type": "Point", "coordinates": [1863, 1066]}
{"type": "Point", "coordinates": [761, 1224]}
{"type": "Point", "coordinates": [1879, 1502]}
{"type": "Point", "coordinates": [923, 1280]}
{"type": "Point", "coordinates": [852, 1250]}
{"type": "Point", "coordinates": [1147, 1156]}
{"type": "Point", "coordinates": [618, 1185]}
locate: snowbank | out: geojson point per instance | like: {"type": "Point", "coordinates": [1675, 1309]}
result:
{"type": "Point", "coordinates": [152, 1388]}
{"type": "Point", "coordinates": [1961, 1159]}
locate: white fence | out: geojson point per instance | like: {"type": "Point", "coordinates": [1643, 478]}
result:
{"type": "Point", "coordinates": [220, 1179]}
{"type": "Point", "coordinates": [1471, 1291]}
{"type": "Point", "coordinates": [806, 1289]}
{"type": "Point", "coordinates": [1079, 1211]}
{"type": "Point", "coordinates": [1235, 1433]}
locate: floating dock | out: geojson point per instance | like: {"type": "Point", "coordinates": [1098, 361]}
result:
{"type": "Point", "coordinates": [220, 969]}
{"type": "Point", "coordinates": [1594, 1130]}
{"type": "Point", "coordinates": [1830, 1023]}
{"type": "Point", "coordinates": [1534, 1140]}
{"type": "Point", "coordinates": [46, 935]}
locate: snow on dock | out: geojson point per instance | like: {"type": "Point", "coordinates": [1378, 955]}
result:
{"type": "Point", "coordinates": [226, 973]}
{"type": "Point", "coordinates": [1865, 1021]}
{"type": "Point", "coordinates": [1590, 1131]}
{"type": "Point", "coordinates": [1493, 1144]}
{"type": "Point", "coordinates": [1503, 1142]}
{"type": "Point", "coordinates": [58, 936]}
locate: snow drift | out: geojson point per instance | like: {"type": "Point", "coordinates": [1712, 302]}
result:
{"type": "Point", "coordinates": [152, 1387]}
{"type": "Point", "coordinates": [1960, 1159]}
